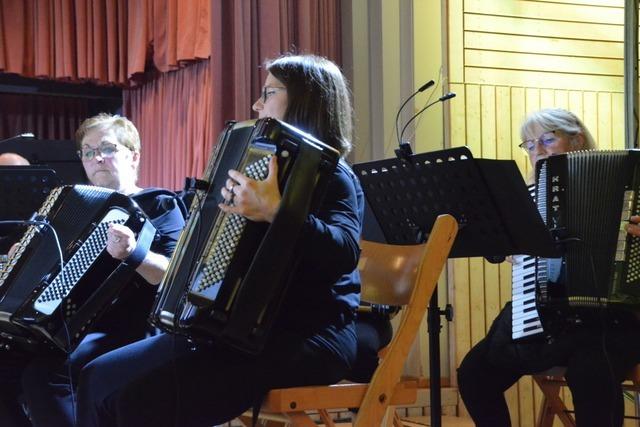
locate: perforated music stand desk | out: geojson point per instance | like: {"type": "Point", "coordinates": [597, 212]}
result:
{"type": "Point", "coordinates": [488, 198]}
{"type": "Point", "coordinates": [23, 190]}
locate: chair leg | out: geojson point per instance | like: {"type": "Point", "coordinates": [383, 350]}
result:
{"type": "Point", "coordinates": [301, 419]}
{"type": "Point", "coordinates": [391, 418]}
{"type": "Point", "coordinates": [552, 404]}
{"type": "Point", "coordinates": [248, 422]}
{"type": "Point", "coordinates": [326, 418]}
{"type": "Point", "coordinates": [545, 415]}
{"type": "Point", "coordinates": [397, 421]}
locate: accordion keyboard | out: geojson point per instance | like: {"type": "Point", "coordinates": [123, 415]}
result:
{"type": "Point", "coordinates": [524, 315]}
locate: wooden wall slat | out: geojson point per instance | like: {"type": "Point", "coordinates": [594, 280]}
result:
{"type": "Point", "coordinates": [525, 400]}
{"type": "Point", "coordinates": [616, 3]}
{"type": "Point", "coordinates": [473, 122]}
{"type": "Point", "coordinates": [547, 97]}
{"type": "Point", "coordinates": [534, 27]}
{"type": "Point", "coordinates": [590, 112]}
{"type": "Point", "coordinates": [488, 121]}
{"type": "Point", "coordinates": [543, 45]}
{"type": "Point", "coordinates": [524, 78]}
{"type": "Point", "coordinates": [550, 11]}
{"type": "Point", "coordinates": [504, 140]}
{"type": "Point", "coordinates": [576, 103]}
{"type": "Point", "coordinates": [455, 36]}
{"type": "Point", "coordinates": [561, 99]}
{"type": "Point", "coordinates": [617, 119]}
{"type": "Point", "coordinates": [518, 113]}
{"type": "Point", "coordinates": [476, 300]}
{"type": "Point", "coordinates": [548, 63]}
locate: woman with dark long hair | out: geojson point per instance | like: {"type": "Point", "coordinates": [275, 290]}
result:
{"type": "Point", "coordinates": [167, 380]}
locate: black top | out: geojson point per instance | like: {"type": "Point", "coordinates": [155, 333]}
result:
{"type": "Point", "coordinates": [130, 312]}
{"type": "Point", "coordinates": [326, 285]}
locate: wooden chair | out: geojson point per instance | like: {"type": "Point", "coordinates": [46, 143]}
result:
{"type": "Point", "coordinates": [392, 275]}
{"type": "Point", "coordinates": [552, 405]}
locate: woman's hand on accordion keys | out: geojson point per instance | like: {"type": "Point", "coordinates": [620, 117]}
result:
{"type": "Point", "coordinates": [255, 200]}
{"type": "Point", "coordinates": [120, 241]}
{"type": "Point", "coordinates": [633, 228]}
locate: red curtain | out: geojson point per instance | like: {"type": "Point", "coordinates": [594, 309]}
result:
{"type": "Point", "coordinates": [247, 33]}
{"type": "Point", "coordinates": [109, 42]}
{"type": "Point", "coordinates": [171, 112]}
{"type": "Point", "coordinates": [173, 115]}
{"type": "Point", "coordinates": [47, 117]}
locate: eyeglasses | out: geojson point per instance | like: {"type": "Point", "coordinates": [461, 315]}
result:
{"type": "Point", "coordinates": [267, 91]}
{"type": "Point", "coordinates": [547, 139]}
{"type": "Point", "coordinates": [106, 151]}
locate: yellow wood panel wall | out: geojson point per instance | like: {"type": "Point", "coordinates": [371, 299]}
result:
{"type": "Point", "coordinates": [507, 58]}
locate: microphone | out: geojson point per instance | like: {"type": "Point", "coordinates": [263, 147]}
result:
{"type": "Point", "coordinates": [443, 98]}
{"type": "Point", "coordinates": [422, 88]}
{"type": "Point", "coordinates": [22, 135]}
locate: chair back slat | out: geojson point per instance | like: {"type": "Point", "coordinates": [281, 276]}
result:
{"type": "Point", "coordinates": [388, 272]}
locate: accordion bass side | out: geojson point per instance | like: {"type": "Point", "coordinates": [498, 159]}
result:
{"type": "Point", "coordinates": [228, 275]}
{"type": "Point", "coordinates": [586, 199]}
{"type": "Point", "coordinates": [46, 306]}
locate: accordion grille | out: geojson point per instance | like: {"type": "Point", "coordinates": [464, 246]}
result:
{"type": "Point", "coordinates": [223, 247]}
{"type": "Point", "coordinates": [78, 264]}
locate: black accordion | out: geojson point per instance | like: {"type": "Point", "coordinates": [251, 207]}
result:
{"type": "Point", "coordinates": [228, 275]}
{"type": "Point", "coordinates": [50, 294]}
{"type": "Point", "coordinates": [586, 199]}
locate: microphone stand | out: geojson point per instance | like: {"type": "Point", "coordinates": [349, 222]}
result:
{"type": "Point", "coordinates": [434, 325]}
{"type": "Point", "coordinates": [443, 98]}
{"type": "Point", "coordinates": [422, 88]}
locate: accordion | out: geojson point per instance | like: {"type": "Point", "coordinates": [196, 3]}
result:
{"type": "Point", "coordinates": [56, 285]}
{"type": "Point", "coordinates": [586, 199]}
{"type": "Point", "coordinates": [228, 275]}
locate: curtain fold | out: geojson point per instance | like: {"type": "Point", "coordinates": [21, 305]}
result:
{"type": "Point", "coordinates": [108, 42]}
{"type": "Point", "coordinates": [249, 32]}
{"type": "Point", "coordinates": [181, 113]}
{"type": "Point", "coordinates": [173, 115]}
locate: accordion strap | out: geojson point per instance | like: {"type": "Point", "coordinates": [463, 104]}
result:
{"type": "Point", "coordinates": [145, 238]}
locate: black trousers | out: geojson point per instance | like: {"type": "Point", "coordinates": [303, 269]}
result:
{"type": "Point", "coordinates": [166, 381]}
{"type": "Point", "coordinates": [12, 364]}
{"type": "Point", "coordinates": [597, 359]}
{"type": "Point", "coordinates": [373, 331]}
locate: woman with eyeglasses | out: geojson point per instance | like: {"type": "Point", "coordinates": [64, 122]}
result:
{"type": "Point", "coordinates": [595, 368]}
{"type": "Point", "coordinates": [553, 131]}
{"type": "Point", "coordinates": [109, 148]}
{"type": "Point", "coordinates": [168, 380]}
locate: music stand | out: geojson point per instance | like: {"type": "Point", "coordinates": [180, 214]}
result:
{"type": "Point", "coordinates": [59, 155]}
{"type": "Point", "coordinates": [23, 189]}
{"type": "Point", "coordinates": [488, 198]}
